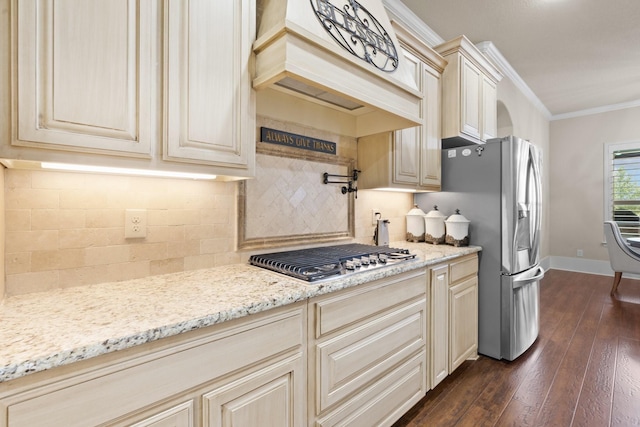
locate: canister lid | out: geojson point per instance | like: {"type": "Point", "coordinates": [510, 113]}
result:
{"type": "Point", "coordinates": [435, 213]}
{"type": "Point", "coordinates": [416, 211]}
{"type": "Point", "coordinates": [457, 217]}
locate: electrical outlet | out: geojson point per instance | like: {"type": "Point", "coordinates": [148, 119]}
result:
{"type": "Point", "coordinates": [375, 216]}
{"type": "Point", "coordinates": [580, 253]}
{"type": "Point", "coordinates": [135, 223]}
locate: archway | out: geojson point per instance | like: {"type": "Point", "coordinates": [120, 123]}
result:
{"type": "Point", "coordinates": [505, 125]}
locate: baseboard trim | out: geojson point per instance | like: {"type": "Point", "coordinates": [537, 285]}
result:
{"type": "Point", "coordinates": [581, 265]}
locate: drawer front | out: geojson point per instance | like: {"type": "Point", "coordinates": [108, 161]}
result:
{"type": "Point", "coordinates": [386, 401]}
{"type": "Point", "coordinates": [354, 360]}
{"type": "Point", "coordinates": [356, 305]}
{"type": "Point", "coordinates": [465, 267]}
{"type": "Point", "coordinates": [121, 390]}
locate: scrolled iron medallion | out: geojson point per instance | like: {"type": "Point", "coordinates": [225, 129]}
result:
{"type": "Point", "coordinates": [358, 31]}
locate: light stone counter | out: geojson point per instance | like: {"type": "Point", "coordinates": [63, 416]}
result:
{"type": "Point", "coordinates": [43, 330]}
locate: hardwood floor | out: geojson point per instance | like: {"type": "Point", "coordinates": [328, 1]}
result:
{"type": "Point", "coordinates": [583, 370]}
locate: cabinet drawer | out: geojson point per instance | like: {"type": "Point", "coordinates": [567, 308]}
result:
{"type": "Point", "coordinates": [465, 267]}
{"type": "Point", "coordinates": [114, 391]}
{"type": "Point", "coordinates": [385, 401]}
{"type": "Point", "coordinates": [356, 305]}
{"type": "Point", "coordinates": [354, 360]}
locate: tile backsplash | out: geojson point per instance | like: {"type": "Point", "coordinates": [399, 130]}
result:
{"type": "Point", "coordinates": [67, 229]}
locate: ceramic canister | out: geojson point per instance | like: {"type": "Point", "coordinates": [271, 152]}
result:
{"type": "Point", "coordinates": [434, 229]}
{"type": "Point", "coordinates": [415, 225]}
{"type": "Point", "coordinates": [457, 230]}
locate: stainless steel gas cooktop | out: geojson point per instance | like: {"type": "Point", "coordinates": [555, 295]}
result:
{"type": "Point", "coordinates": [328, 261]}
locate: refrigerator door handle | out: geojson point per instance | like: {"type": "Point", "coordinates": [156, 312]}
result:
{"type": "Point", "coordinates": [535, 246]}
{"type": "Point", "coordinates": [521, 282]}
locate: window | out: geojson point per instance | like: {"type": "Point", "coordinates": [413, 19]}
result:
{"type": "Point", "coordinates": [622, 186]}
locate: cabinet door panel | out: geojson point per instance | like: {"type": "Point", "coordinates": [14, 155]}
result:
{"type": "Point", "coordinates": [178, 416]}
{"type": "Point", "coordinates": [406, 149]}
{"type": "Point", "coordinates": [208, 96]}
{"type": "Point", "coordinates": [430, 161]}
{"type": "Point", "coordinates": [271, 397]}
{"type": "Point", "coordinates": [471, 105]}
{"type": "Point", "coordinates": [83, 75]}
{"type": "Point", "coordinates": [406, 146]}
{"type": "Point", "coordinates": [463, 300]}
{"type": "Point", "coordinates": [439, 324]}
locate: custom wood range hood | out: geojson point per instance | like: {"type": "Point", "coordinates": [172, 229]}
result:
{"type": "Point", "coordinates": [340, 53]}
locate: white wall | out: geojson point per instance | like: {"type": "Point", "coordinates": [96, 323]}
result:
{"type": "Point", "coordinates": [577, 179]}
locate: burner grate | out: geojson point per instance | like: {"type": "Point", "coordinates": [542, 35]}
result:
{"type": "Point", "coordinates": [318, 263]}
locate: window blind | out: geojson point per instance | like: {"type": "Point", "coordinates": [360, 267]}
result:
{"type": "Point", "coordinates": [625, 190]}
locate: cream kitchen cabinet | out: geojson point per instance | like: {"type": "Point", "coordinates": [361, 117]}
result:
{"type": "Point", "coordinates": [209, 101]}
{"type": "Point", "coordinates": [135, 84]}
{"type": "Point", "coordinates": [84, 76]}
{"type": "Point", "coordinates": [454, 316]}
{"type": "Point", "coordinates": [367, 359]}
{"type": "Point", "coordinates": [408, 159]}
{"type": "Point", "coordinates": [439, 325]}
{"type": "Point", "coordinates": [248, 371]}
{"type": "Point", "coordinates": [469, 90]}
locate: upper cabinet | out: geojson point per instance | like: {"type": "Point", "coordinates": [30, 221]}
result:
{"type": "Point", "coordinates": [84, 76]}
{"type": "Point", "coordinates": [469, 110]}
{"type": "Point", "coordinates": [408, 159]}
{"type": "Point", "coordinates": [209, 104]}
{"type": "Point", "coordinates": [158, 87]}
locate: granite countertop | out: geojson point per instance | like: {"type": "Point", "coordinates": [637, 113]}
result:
{"type": "Point", "coordinates": [43, 330]}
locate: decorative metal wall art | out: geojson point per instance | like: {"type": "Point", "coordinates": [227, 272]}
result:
{"type": "Point", "coordinates": [358, 31]}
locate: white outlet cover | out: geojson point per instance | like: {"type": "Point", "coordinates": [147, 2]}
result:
{"type": "Point", "coordinates": [135, 223]}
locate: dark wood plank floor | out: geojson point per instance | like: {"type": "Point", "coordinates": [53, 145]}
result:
{"type": "Point", "coordinates": [583, 370]}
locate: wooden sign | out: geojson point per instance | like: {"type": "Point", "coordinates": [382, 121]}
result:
{"type": "Point", "coordinates": [273, 136]}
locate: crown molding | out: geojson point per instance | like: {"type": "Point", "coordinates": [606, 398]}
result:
{"type": "Point", "coordinates": [494, 55]}
{"type": "Point", "coordinates": [597, 110]}
{"type": "Point", "coordinates": [401, 13]}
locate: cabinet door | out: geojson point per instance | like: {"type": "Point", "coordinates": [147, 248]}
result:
{"type": "Point", "coordinates": [406, 146]}
{"type": "Point", "coordinates": [406, 149]}
{"type": "Point", "coordinates": [463, 319]}
{"type": "Point", "coordinates": [271, 397]}
{"type": "Point", "coordinates": [439, 324]}
{"type": "Point", "coordinates": [471, 105]}
{"type": "Point", "coordinates": [430, 153]}
{"type": "Point", "coordinates": [84, 77]}
{"type": "Point", "coordinates": [178, 416]}
{"type": "Point", "coordinates": [489, 109]}
{"type": "Point", "coordinates": [209, 103]}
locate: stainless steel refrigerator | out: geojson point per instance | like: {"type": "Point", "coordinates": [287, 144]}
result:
{"type": "Point", "coordinates": [497, 187]}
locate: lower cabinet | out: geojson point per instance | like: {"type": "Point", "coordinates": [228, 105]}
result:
{"type": "Point", "coordinates": [454, 316]}
{"type": "Point", "coordinates": [251, 372]}
{"type": "Point", "coordinates": [361, 356]}
{"type": "Point", "coordinates": [367, 358]}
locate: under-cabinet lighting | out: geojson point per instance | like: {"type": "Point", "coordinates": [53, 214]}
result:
{"type": "Point", "coordinates": [124, 171]}
{"type": "Point", "coordinates": [398, 190]}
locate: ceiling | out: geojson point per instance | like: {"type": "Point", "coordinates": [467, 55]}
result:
{"type": "Point", "coordinates": [575, 55]}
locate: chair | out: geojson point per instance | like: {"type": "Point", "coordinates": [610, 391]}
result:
{"type": "Point", "coordinates": [622, 258]}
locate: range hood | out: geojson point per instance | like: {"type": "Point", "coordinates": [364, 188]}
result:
{"type": "Point", "coordinates": [341, 53]}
